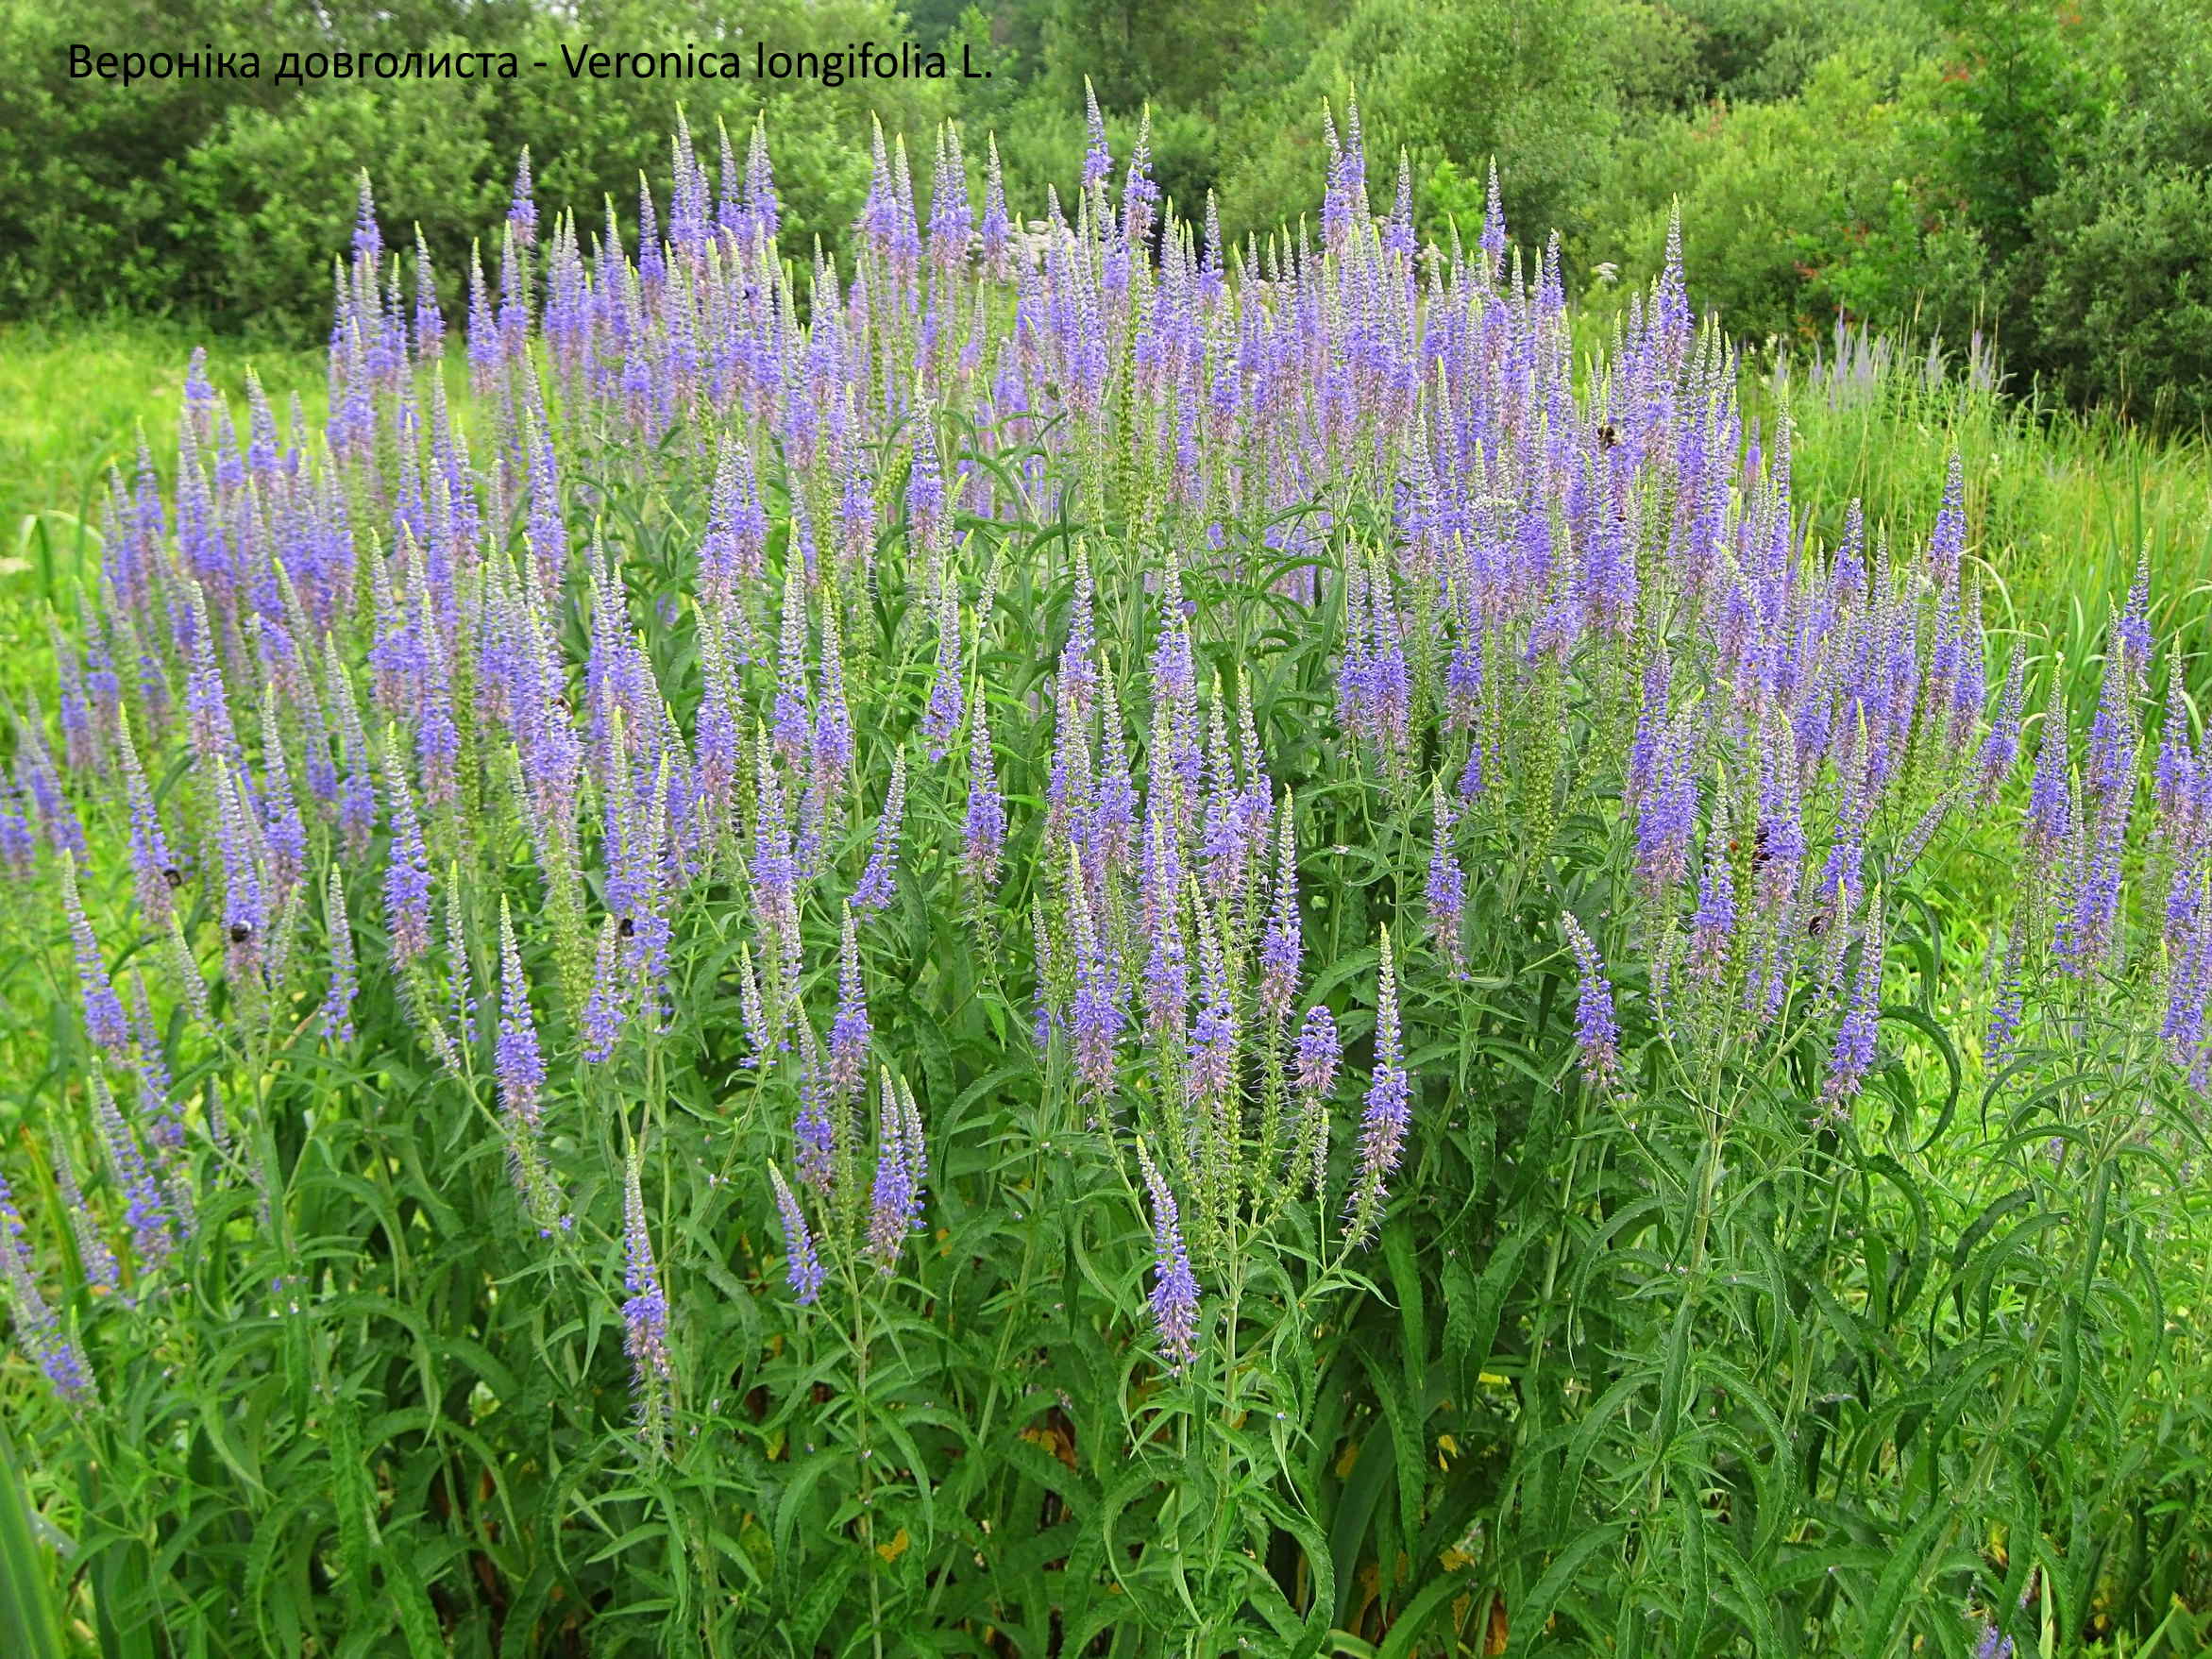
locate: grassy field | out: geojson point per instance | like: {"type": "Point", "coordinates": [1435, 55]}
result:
{"type": "Point", "coordinates": [2061, 507]}
{"type": "Point", "coordinates": [74, 401]}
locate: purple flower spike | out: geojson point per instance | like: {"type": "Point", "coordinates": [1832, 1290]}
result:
{"type": "Point", "coordinates": [1387, 1114]}
{"type": "Point", "coordinates": [338, 1005]}
{"type": "Point", "coordinates": [1281, 949]}
{"type": "Point", "coordinates": [153, 1230]}
{"type": "Point", "coordinates": [407, 878]}
{"type": "Point", "coordinates": [1854, 1056]}
{"type": "Point", "coordinates": [1596, 1031]}
{"type": "Point", "coordinates": [1175, 1291]}
{"type": "Point", "coordinates": [522, 211]}
{"type": "Point", "coordinates": [984, 828]}
{"type": "Point", "coordinates": [816, 1130]}
{"type": "Point", "coordinates": [848, 1029]}
{"type": "Point", "coordinates": [1098, 161]}
{"type": "Point", "coordinates": [879, 880]}
{"type": "Point", "coordinates": [103, 1008]}
{"type": "Point", "coordinates": [606, 1010]}
{"type": "Point", "coordinates": [152, 862]}
{"type": "Point", "coordinates": [520, 1066]}
{"type": "Point", "coordinates": [1446, 890]}
{"type": "Point", "coordinates": [804, 1269]}
{"type": "Point", "coordinates": [1318, 1053]}
{"type": "Point", "coordinates": [41, 1330]}
{"type": "Point", "coordinates": [1096, 1018]}
{"type": "Point", "coordinates": [645, 1313]}
{"type": "Point", "coordinates": [93, 1254]}
{"type": "Point", "coordinates": [1946, 543]}
{"type": "Point", "coordinates": [1313, 1068]}
{"type": "Point", "coordinates": [942, 717]}
{"type": "Point", "coordinates": [895, 1197]}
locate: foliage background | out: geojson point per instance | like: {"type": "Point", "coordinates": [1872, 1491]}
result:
{"type": "Point", "coordinates": [2033, 169]}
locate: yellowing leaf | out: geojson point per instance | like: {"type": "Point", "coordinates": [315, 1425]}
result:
{"type": "Point", "coordinates": [1052, 1439]}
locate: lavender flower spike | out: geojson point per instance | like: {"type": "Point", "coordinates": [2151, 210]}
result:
{"type": "Point", "coordinates": [607, 1008]}
{"type": "Point", "coordinates": [344, 986]}
{"type": "Point", "coordinates": [984, 830]}
{"type": "Point", "coordinates": [41, 1330]}
{"type": "Point", "coordinates": [1175, 1291]}
{"type": "Point", "coordinates": [805, 1269]}
{"type": "Point", "coordinates": [645, 1313]}
{"type": "Point", "coordinates": [1389, 1113]}
{"type": "Point", "coordinates": [1447, 883]}
{"type": "Point", "coordinates": [520, 1066]}
{"type": "Point", "coordinates": [407, 878]}
{"type": "Point", "coordinates": [1314, 1068]}
{"type": "Point", "coordinates": [894, 1199]}
{"type": "Point", "coordinates": [848, 1029]}
{"type": "Point", "coordinates": [103, 1008]}
{"type": "Point", "coordinates": [93, 1254]}
{"type": "Point", "coordinates": [1853, 1054]}
{"type": "Point", "coordinates": [879, 880]}
{"type": "Point", "coordinates": [1596, 1031]}
{"type": "Point", "coordinates": [1281, 946]}
{"type": "Point", "coordinates": [146, 1206]}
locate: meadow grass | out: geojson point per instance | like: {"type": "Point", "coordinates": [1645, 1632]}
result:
{"type": "Point", "coordinates": [2064, 505]}
{"type": "Point", "coordinates": [75, 398]}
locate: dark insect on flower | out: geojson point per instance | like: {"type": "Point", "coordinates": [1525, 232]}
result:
{"type": "Point", "coordinates": [627, 927]}
{"type": "Point", "coordinates": [240, 932]}
{"type": "Point", "coordinates": [174, 876]}
{"type": "Point", "coordinates": [1607, 436]}
{"type": "Point", "coordinates": [1816, 924]}
{"type": "Point", "coordinates": [1760, 852]}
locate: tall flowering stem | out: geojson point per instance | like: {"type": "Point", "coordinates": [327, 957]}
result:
{"type": "Point", "coordinates": [1597, 1029]}
{"type": "Point", "coordinates": [802, 1265]}
{"type": "Point", "coordinates": [1174, 1292]}
{"type": "Point", "coordinates": [103, 1008]}
{"type": "Point", "coordinates": [645, 1315]}
{"type": "Point", "coordinates": [1387, 1114]}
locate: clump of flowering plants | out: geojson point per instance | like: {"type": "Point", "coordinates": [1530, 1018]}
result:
{"type": "Point", "coordinates": [1064, 940]}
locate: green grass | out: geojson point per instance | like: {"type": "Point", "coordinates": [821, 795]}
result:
{"type": "Point", "coordinates": [2060, 506]}
{"type": "Point", "coordinates": [73, 400]}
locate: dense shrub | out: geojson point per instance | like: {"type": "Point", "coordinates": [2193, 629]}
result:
{"type": "Point", "coordinates": [1762, 191]}
{"type": "Point", "coordinates": [223, 198]}
{"type": "Point", "coordinates": [2119, 284]}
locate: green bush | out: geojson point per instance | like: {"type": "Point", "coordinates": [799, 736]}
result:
{"type": "Point", "coordinates": [2121, 304]}
{"type": "Point", "coordinates": [1543, 91]}
{"type": "Point", "coordinates": [269, 185]}
{"type": "Point", "coordinates": [1771, 196]}
{"type": "Point", "coordinates": [222, 198]}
